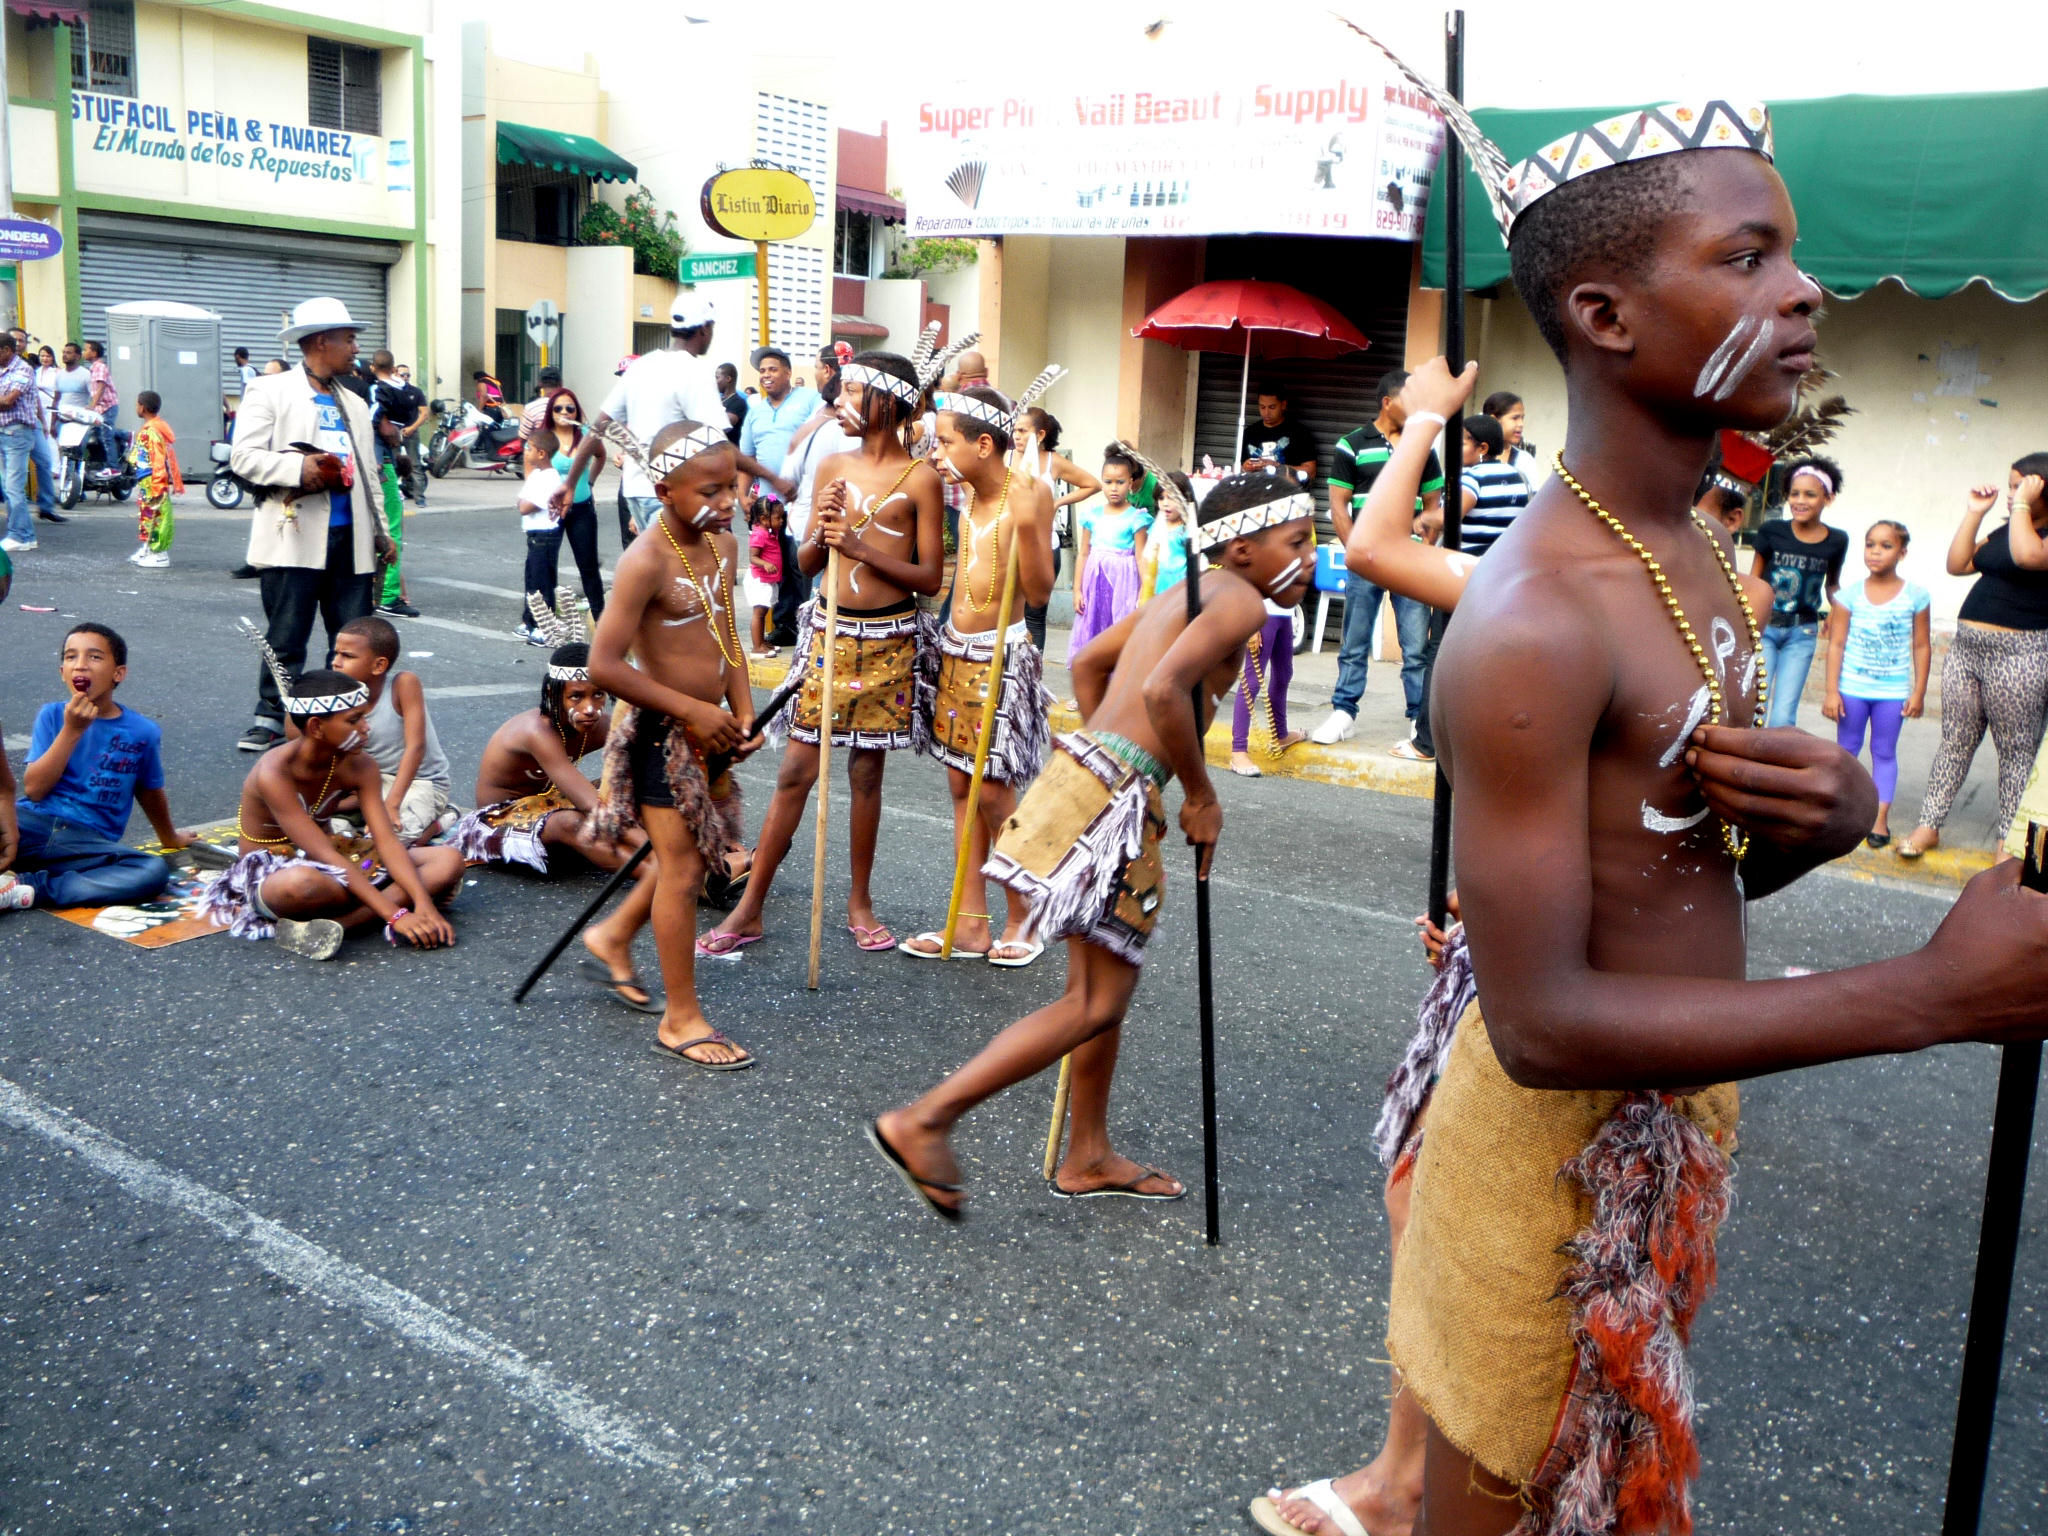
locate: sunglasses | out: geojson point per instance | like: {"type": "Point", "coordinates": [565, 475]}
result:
{"type": "Point", "coordinates": [567, 410]}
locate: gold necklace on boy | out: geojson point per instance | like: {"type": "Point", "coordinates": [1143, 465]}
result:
{"type": "Point", "coordinates": [1736, 843]}
{"type": "Point", "coordinates": [705, 597]}
{"type": "Point", "coordinates": [995, 532]}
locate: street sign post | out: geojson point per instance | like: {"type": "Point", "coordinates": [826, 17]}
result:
{"type": "Point", "coordinates": [719, 266]}
{"type": "Point", "coordinates": [544, 327]}
{"type": "Point", "coordinates": [761, 203]}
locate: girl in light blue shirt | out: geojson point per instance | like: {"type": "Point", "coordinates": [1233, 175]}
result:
{"type": "Point", "coordinates": [1879, 651]}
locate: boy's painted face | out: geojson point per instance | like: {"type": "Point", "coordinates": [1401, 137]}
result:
{"type": "Point", "coordinates": [354, 658]}
{"type": "Point", "coordinates": [1116, 484]}
{"type": "Point", "coordinates": [1719, 326]}
{"type": "Point", "coordinates": [958, 453]}
{"type": "Point", "coordinates": [1882, 549]}
{"type": "Point", "coordinates": [583, 704]}
{"type": "Point", "coordinates": [342, 732]}
{"type": "Point", "coordinates": [852, 408]}
{"type": "Point", "coordinates": [1805, 499]}
{"type": "Point", "coordinates": [1281, 561]}
{"type": "Point", "coordinates": [87, 665]}
{"type": "Point", "coordinates": [701, 493]}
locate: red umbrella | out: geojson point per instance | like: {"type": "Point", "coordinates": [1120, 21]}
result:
{"type": "Point", "coordinates": [1241, 315]}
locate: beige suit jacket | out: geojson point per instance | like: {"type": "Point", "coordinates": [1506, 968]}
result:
{"type": "Point", "coordinates": [278, 411]}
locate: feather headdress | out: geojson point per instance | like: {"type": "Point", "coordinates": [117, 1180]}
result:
{"type": "Point", "coordinates": [927, 343]}
{"type": "Point", "coordinates": [934, 367]}
{"type": "Point", "coordinates": [1002, 419]}
{"type": "Point", "coordinates": [903, 389]}
{"type": "Point", "coordinates": [659, 466]}
{"type": "Point", "coordinates": [560, 625]}
{"type": "Point", "coordinates": [297, 703]}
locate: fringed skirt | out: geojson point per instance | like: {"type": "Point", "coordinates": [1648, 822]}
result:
{"type": "Point", "coordinates": [873, 677]}
{"type": "Point", "coordinates": [1559, 1245]}
{"type": "Point", "coordinates": [1083, 850]}
{"type": "Point", "coordinates": [234, 897]}
{"type": "Point", "coordinates": [1110, 592]}
{"type": "Point", "coordinates": [667, 770]}
{"type": "Point", "coordinates": [509, 831]}
{"type": "Point", "coordinates": [952, 689]}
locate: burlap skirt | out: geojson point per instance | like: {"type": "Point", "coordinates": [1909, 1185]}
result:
{"type": "Point", "coordinates": [509, 831]}
{"type": "Point", "coordinates": [953, 679]}
{"type": "Point", "coordinates": [1491, 1292]}
{"type": "Point", "coordinates": [873, 677]}
{"type": "Point", "coordinates": [1083, 851]}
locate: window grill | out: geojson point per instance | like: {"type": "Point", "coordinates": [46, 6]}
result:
{"type": "Point", "coordinates": [344, 87]}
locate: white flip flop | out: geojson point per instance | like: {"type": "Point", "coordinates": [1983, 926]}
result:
{"type": "Point", "coordinates": [1032, 950]}
{"type": "Point", "coordinates": [936, 952]}
{"type": "Point", "coordinates": [1265, 1510]}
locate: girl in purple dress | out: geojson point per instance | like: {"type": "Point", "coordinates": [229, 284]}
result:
{"type": "Point", "coordinates": [1110, 540]}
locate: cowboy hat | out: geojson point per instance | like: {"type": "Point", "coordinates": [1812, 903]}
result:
{"type": "Point", "coordinates": [313, 316]}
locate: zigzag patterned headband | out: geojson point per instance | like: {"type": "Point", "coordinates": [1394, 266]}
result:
{"type": "Point", "coordinates": [659, 466]}
{"type": "Point", "coordinates": [888, 383]}
{"type": "Point", "coordinates": [1246, 521]}
{"type": "Point", "coordinates": [308, 704]}
{"type": "Point", "coordinates": [1002, 418]}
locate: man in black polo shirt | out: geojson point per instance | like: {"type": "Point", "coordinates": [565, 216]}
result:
{"type": "Point", "coordinates": [1275, 442]}
{"type": "Point", "coordinates": [1354, 465]}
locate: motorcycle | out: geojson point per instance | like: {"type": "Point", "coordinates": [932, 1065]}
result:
{"type": "Point", "coordinates": [224, 490]}
{"type": "Point", "coordinates": [472, 439]}
{"type": "Point", "coordinates": [82, 455]}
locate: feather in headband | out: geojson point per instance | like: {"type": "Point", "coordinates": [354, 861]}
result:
{"type": "Point", "coordinates": [560, 625]}
{"type": "Point", "coordinates": [1002, 419]}
{"type": "Point", "coordinates": [296, 703]}
{"type": "Point", "coordinates": [934, 367]}
{"type": "Point", "coordinates": [927, 343]}
{"type": "Point", "coordinates": [659, 466]}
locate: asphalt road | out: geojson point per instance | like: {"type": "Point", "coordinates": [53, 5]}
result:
{"type": "Point", "coordinates": [364, 1248]}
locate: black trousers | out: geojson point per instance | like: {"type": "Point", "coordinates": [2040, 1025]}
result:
{"type": "Point", "coordinates": [544, 558]}
{"type": "Point", "coordinates": [1034, 616]}
{"type": "Point", "coordinates": [293, 596]}
{"type": "Point", "coordinates": [794, 592]}
{"type": "Point", "coordinates": [1425, 741]}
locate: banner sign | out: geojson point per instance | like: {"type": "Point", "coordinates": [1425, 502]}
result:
{"type": "Point", "coordinates": [275, 152]}
{"type": "Point", "coordinates": [28, 240]}
{"type": "Point", "coordinates": [1223, 149]}
{"type": "Point", "coordinates": [759, 202]}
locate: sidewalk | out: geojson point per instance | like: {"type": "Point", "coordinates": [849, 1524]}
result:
{"type": "Point", "coordinates": [1363, 762]}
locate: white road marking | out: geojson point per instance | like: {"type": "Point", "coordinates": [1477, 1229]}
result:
{"type": "Point", "coordinates": [479, 630]}
{"type": "Point", "coordinates": [17, 743]}
{"type": "Point", "coordinates": [478, 690]}
{"type": "Point", "coordinates": [483, 587]}
{"type": "Point", "coordinates": [603, 1431]}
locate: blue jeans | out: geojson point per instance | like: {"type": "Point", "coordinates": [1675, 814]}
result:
{"type": "Point", "coordinates": [1361, 614]}
{"type": "Point", "coordinates": [1788, 653]}
{"type": "Point", "coordinates": [44, 451]}
{"type": "Point", "coordinates": [17, 443]}
{"type": "Point", "coordinates": [110, 445]}
{"type": "Point", "coordinates": [73, 866]}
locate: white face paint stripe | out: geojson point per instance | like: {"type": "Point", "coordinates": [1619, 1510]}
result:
{"type": "Point", "coordinates": [1655, 820]}
{"type": "Point", "coordinates": [1717, 363]}
{"type": "Point", "coordinates": [1748, 360]}
{"type": "Point", "coordinates": [1723, 636]}
{"type": "Point", "coordinates": [1695, 712]}
{"type": "Point", "coordinates": [1278, 583]}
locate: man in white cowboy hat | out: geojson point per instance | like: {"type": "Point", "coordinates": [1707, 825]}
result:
{"type": "Point", "coordinates": [305, 442]}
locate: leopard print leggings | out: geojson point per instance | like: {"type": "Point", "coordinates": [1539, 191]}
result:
{"type": "Point", "coordinates": [1996, 678]}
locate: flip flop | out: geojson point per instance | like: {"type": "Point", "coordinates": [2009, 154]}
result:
{"type": "Point", "coordinates": [716, 1037]}
{"type": "Point", "coordinates": [1032, 948]}
{"type": "Point", "coordinates": [1906, 850]}
{"type": "Point", "coordinates": [318, 939]}
{"type": "Point", "coordinates": [1265, 1510]}
{"type": "Point", "coordinates": [723, 891]}
{"type": "Point", "coordinates": [594, 969]}
{"type": "Point", "coordinates": [865, 936]}
{"type": "Point", "coordinates": [935, 952]}
{"type": "Point", "coordinates": [1128, 1191]}
{"type": "Point", "coordinates": [726, 946]}
{"type": "Point", "coordinates": [918, 1187]}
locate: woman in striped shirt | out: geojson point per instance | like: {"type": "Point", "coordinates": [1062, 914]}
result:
{"type": "Point", "coordinates": [1494, 490]}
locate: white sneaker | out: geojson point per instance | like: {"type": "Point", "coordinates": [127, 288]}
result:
{"type": "Point", "coordinates": [17, 546]}
{"type": "Point", "coordinates": [156, 562]}
{"type": "Point", "coordinates": [137, 554]}
{"type": "Point", "coordinates": [17, 896]}
{"type": "Point", "coordinates": [1338, 726]}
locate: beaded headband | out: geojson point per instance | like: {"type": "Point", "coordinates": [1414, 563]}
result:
{"type": "Point", "coordinates": [560, 625]}
{"type": "Point", "coordinates": [1673, 128]}
{"type": "Point", "coordinates": [905, 390]}
{"type": "Point", "coordinates": [659, 466]}
{"type": "Point", "coordinates": [1001, 418]}
{"type": "Point", "coordinates": [1246, 521]}
{"type": "Point", "coordinates": [302, 704]}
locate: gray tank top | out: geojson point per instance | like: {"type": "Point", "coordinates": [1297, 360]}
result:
{"type": "Point", "coordinates": [386, 730]}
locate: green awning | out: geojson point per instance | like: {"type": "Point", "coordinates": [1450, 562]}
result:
{"type": "Point", "coordinates": [547, 150]}
{"type": "Point", "coordinates": [1935, 191]}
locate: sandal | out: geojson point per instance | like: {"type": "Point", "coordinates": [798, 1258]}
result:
{"type": "Point", "coordinates": [594, 969]}
{"type": "Point", "coordinates": [1032, 950]}
{"type": "Point", "coordinates": [937, 951]}
{"type": "Point", "coordinates": [873, 937]}
{"type": "Point", "coordinates": [317, 939]}
{"type": "Point", "coordinates": [1128, 1191]}
{"type": "Point", "coordinates": [1407, 751]}
{"type": "Point", "coordinates": [918, 1187]}
{"type": "Point", "coordinates": [1265, 1510]}
{"type": "Point", "coordinates": [726, 946]}
{"type": "Point", "coordinates": [716, 1037]}
{"type": "Point", "coordinates": [1877, 840]}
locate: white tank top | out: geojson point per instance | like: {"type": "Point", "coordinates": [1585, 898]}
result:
{"type": "Point", "coordinates": [385, 728]}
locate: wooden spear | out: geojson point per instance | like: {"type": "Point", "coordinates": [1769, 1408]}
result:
{"type": "Point", "coordinates": [831, 643]}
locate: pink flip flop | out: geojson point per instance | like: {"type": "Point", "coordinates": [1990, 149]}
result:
{"type": "Point", "coordinates": [873, 937]}
{"type": "Point", "coordinates": [725, 946]}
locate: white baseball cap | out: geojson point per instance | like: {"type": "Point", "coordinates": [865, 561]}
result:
{"type": "Point", "coordinates": [313, 316]}
{"type": "Point", "coordinates": [691, 310]}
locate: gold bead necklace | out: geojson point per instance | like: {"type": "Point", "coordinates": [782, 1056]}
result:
{"type": "Point", "coordinates": [1736, 843]}
{"type": "Point", "coordinates": [704, 595]}
{"type": "Point", "coordinates": [995, 543]}
{"type": "Point", "coordinates": [312, 810]}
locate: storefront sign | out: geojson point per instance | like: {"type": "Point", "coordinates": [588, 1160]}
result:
{"type": "Point", "coordinates": [716, 267]}
{"type": "Point", "coordinates": [271, 151]}
{"type": "Point", "coordinates": [759, 203]}
{"type": "Point", "coordinates": [1218, 147]}
{"type": "Point", "coordinates": [27, 240]}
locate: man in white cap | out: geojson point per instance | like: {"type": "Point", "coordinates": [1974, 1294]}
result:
{"type": "Point", "coordinates": [657, 390]}
{"type": "Point", "coordinates": [304, 441]}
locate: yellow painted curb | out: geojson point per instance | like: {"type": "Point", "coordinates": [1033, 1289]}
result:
{"type": "Point", "coordinates": [1951, 867]}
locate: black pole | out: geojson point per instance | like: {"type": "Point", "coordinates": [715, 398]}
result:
{"type": "Point", "coordinates": [1451, 176]}
{"type": "Point", "coordinates": [2005, 1190]}
{"type": "Point", "coordinates": [1205, 979]}
{"type": "Point", "coordinates": [619, 877]}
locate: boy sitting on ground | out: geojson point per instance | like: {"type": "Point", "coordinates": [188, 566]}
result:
{"type": "Point", "coordinates": [685, 711]}
{"type": "Point", "coordinates": [90, 763]}
{"type": "Point", "coordinates": [295, 882]}
{"type": "Point", "coordinates": [1083, 848]}
{"type": "Point", "coordinates": [398, 732]}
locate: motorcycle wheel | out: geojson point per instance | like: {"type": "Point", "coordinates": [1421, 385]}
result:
{"type": "Point", "coordinates": [224, 492]}
{"type": "Point", "coordinates": [70, 484]}
{"type": "Point", "coordinates": [1304, 615]}
{"type": "Point", "coordinates": [442, 460]}
{"type": "Point", "coordinates": [119, 489]}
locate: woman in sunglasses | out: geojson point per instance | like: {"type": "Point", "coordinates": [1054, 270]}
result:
{"type": "Point", "coordinates": [563, 431]}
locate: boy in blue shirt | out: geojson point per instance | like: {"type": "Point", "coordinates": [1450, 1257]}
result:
{"type": "Point", "coordinates": [90, 762]}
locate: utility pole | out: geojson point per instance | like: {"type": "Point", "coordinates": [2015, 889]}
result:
{"type": "Point", "coordinates": [7, 176]}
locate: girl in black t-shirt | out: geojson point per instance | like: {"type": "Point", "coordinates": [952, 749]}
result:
{"type": "Point", "coordinates": [1996, 673]}
{"type": "Point", "coordinates": [1801, 557]}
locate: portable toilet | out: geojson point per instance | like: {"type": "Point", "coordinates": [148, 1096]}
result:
{"type": "Point", "coordinates": [173, 349]}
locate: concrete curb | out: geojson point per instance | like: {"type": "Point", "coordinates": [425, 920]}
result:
{"type": "Point", "coordinates": [1946, 868]}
